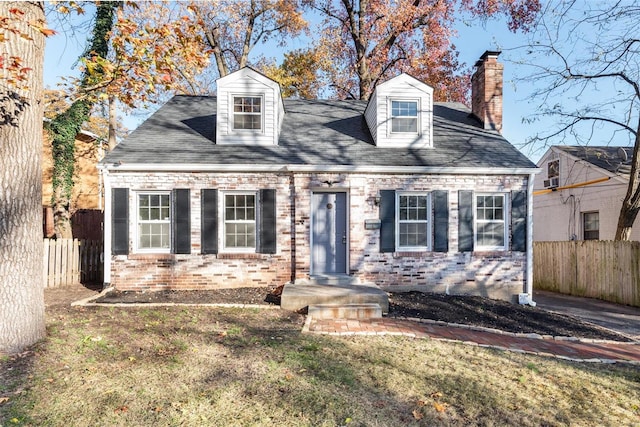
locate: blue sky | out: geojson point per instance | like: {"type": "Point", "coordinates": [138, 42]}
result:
{"type": "Point", "coordinates": [473, 39]}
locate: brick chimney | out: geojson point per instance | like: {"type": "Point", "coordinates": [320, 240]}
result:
{"type": "Point", "coordinates": [486, 91]}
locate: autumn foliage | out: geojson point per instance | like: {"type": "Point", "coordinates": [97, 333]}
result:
{"type": "Point", "coordinates": [371, 41]}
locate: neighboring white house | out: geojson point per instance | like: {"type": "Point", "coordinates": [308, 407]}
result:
{"type": "Point", "coordinates": [578, 194]}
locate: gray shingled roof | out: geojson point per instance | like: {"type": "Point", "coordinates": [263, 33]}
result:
{"type": "Point", "coordinates": [605, 157]}
{"type": "Point", "coordinates": [318, 132]}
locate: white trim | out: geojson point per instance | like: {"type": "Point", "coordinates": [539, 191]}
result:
{"type": "Point", "coordinates": [106, 238]}
{"type": "Point", "coordinates": [404, 170]}
{"type": "Point", "coordinates": [390, 117]}
{"type": "Point", "coordinates": [529, 266]}
{"type": "Point", "coordinates": [429, 221]}
{"type": "Point", "coordinates": [505, 220]}
{"type": "Point", "coordinates": [223, 222]}
{"type": "Point", "coordinates": [232, 114]}
{"type": "Point", "coordinates": [136, 222]}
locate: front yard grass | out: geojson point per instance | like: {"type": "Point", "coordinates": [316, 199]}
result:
{"type": "Point", "coordinates": [231, 367]}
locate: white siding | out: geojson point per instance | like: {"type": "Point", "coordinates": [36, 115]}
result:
{"type": "Point", "coordinates": [370, 115]}
{"type": "Point", "coordinates": [558, 214]}
{"type": "Point", "coordinates": [248, 82]}
{"type": "Point", "coordinates": [378, 112]}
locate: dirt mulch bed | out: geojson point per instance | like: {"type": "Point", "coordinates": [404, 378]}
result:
{"type": "Point", "coordinates": [258, 296]}
{"type": "Point", "coordinates": [495, 314]}
{"type": "Point", "coordinates": [466, 310]}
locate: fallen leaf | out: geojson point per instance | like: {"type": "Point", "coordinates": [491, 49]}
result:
{"type": "Point", "coordinates": [436, 395]}
{"type": "Point", "coordinates": [417, 414]}
{"type": "Point", "coordinates": [440, 407]}
{"type": "Point", "coordinates": [4, 399]}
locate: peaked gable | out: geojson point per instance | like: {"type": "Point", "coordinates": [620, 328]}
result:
{"type": "Point", "coordinates": [400, 113]}
{"type": "Point", "coordinates": [249, 109]}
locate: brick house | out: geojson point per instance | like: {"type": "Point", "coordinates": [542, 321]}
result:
{"type": "Point", "coordinates": [248, 189]}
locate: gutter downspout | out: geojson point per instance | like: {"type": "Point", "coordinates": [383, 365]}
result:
{"type": "Point", "coordinates": [529, 272]}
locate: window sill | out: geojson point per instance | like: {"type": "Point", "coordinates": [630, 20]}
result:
{"type": "Point", "coordinates": [150, 255]}
{"type": "Point", "coordinates": [414, 254]}
{"type": "Point", "coordinates": [241, 255]}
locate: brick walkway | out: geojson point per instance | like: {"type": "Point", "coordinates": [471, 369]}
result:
{"type": "Point", "coordinates": [565, 348]}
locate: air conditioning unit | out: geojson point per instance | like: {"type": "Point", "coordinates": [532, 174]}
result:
{"type": "Point", "coordinates": [551, 183]}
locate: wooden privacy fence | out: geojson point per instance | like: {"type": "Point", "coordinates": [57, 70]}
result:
{"type": "Point", "coordinates": [72, 261]}
{"type": "Point", "coordinates": [608, 270]}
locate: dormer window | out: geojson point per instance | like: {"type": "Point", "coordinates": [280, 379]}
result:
{"type": "Point", "coordinates": [404, 116]}
{"type": "Point", "coordinates": [247, 113]}
{"type": "Point", "coordinates": [399, 113]}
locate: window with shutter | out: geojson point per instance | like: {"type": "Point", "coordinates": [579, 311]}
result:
{"type": "Point", "coordinates": [153, 218]}
{"type": "Point", "coordinates": [413, 212]}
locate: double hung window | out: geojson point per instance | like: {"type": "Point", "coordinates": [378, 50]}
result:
{"type": "Point", "coordinates": [404, 116]}
{"type": "Point", "coordinates": [413, 216]}
{"type": "Point", "coordinates": [591, 225]}
{"type": "Point", "coordinates": [154, 221]}
{"type": "Point", "coordinates": [247, 113]}
{"type": "Point", "coordinates": [490, 221]}
{"type": "Point", "coordinates": [240, 221]}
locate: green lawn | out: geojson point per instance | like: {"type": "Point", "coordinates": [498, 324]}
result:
{"type": "Point", "coordinates": [231, 367]}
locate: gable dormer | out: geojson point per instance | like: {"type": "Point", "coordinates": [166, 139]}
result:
{"type": "Point", "coordinates": [249, 110]}
{"type": "Point", "coordinates": [400, 113]}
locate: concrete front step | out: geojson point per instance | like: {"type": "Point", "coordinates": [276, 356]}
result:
{"type": "Point", "coordinates": [329, 279]}
{"type": "Point", "coordinates": [298, 296]}
{"type": "Point", "coordinates": [345, 311]}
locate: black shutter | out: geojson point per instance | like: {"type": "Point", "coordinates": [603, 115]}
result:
{"type": "Point", "coordinates": [267, 221]}
{"type": "Point", "coordinates": [465, 221]}
{"type": "Point", "coordinates": [519, 221]}
{"type": "Point", "coordinates": [440, 221]}
{"type": "Point", "coordinates": [120, 221]}
{"type": "Point", "coordinates": [387, 220]}
{"type": "Point", "coordinates": [181, 222]}
{"type": "Point", "coordinates": [209, 225]}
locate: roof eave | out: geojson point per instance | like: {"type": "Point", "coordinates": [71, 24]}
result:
{"type": "Point", "coordinates": [280, 168]}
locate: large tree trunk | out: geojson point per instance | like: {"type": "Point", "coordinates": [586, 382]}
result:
{"type": "Point", "coordinates": [631, 203]}
{"type": "Point", "coordinates": [21, 281]}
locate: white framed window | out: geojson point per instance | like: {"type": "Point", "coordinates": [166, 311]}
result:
{"type": "Point", "coordinates": [404, 116]}
{"type": "Point", "coordinates": [413, 219]}
{"type": "Point", "coordinates": [591, 225]}
{"type": "Point", "coordinates": [247, 113]}
{"type": "Point", "coordinates": [153, 213]}
{"type": "Point", "coordinates": [240, 221]}
{"type": "Point", "coordinates": [490, 221]}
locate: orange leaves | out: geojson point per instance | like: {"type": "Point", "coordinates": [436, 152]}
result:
{"type": "Point", "coordinates": [434, 401]}
{"type": "Point", "coordinates": [40, 26]}
{"type": "Point", "coordinates": [17, 12]}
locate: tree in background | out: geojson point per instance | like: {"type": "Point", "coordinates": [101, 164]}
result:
{"type": "Point", "coordinates": [65, 126]}
{"type": "Point", "coordinates": [232, 29]}
{"type": "Point", "coordinates": [371, 41]}
{"type": "Point", "coordinates": [586, 58]}
{"type": "Point", "coordinates": [301, 74]}
{"type": "Point", "coordinates": [22, 33]}
{"type": "Point", "coordinates": [57, 101]}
